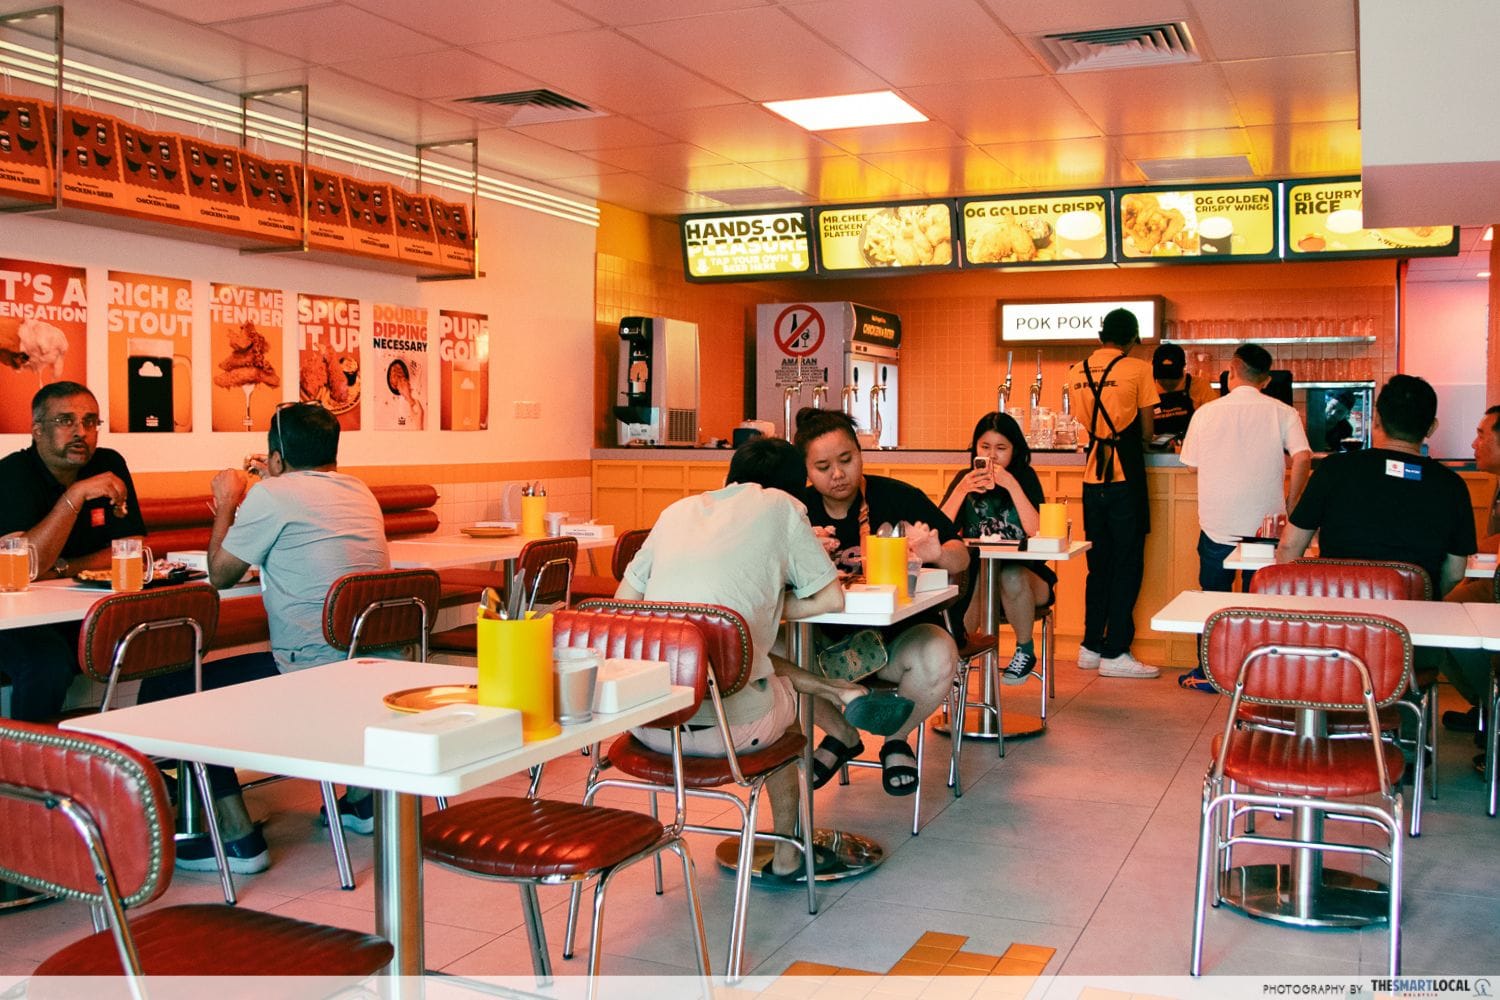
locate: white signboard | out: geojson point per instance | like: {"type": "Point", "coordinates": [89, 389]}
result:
{"type": "Point", "coordinates": [1077, 321]}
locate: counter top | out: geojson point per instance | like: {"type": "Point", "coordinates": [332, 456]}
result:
{"type": "Point", "coordinates": [891, 456]}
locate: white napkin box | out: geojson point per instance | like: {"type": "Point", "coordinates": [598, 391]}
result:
{"type": "Point", "coordinates": [625, 684]}
{"type": "Point", "coordinates": [589, 530]}
{"type": "Point", "coordinates": [869, 599]}
{"type": "Point", "coordinates": [192, 558]}
{"type": "Point", "coordinates": [1037, 543]}
{"type": "Point", "coordinates": [443, 738]}
{"type": "Point", "coordinates": [931, 578]}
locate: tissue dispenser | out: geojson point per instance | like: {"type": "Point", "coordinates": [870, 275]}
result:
{"type": "Point", "coordinates": [443, 738]}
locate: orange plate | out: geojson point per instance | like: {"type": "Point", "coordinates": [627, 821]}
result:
{"type": "Point", "coordinates": [477, 532]}
{"type": "Point", "coordinates": [433, 696]}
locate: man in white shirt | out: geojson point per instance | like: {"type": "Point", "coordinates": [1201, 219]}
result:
{"type": "Point", "coordinates": [1239, 444]}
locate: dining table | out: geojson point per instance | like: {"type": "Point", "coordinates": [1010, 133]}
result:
{"type": "Point", "coordinates": [55, 602]}
{"type": "Point", "coordinates": [1252, 556]}
{"type": "Point", "coordinates": [453, 550]}
{"type": "Point", "coordinates": [311, 724]}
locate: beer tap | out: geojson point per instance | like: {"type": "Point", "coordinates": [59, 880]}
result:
{"type": "Point", "coordinates": [849, 395]}
{"type": "Point", "coordinates": [877, 390]}
{"type": "Point", "coordinates": [820, 392]}
{"type": "Point", "coordinates": [788, 393]}
{"type": "Point", "coordinates": [1036, 387]}
{"type": "Point", "coordinates": [1002, 395]}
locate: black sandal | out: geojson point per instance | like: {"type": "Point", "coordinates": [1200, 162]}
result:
{"type": "Point", "coordinates": [823, 773]}
{"type": "Point", "coordinates": [891, 774]}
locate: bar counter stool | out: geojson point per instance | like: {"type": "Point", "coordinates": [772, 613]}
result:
{"type": "Point", "coordinates": [87, 818]}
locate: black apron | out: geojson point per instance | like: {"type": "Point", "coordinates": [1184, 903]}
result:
{"type": "Point", "coordinates": [1175, 410]}
{"type": "Point", "coordinates": [1126, 444]}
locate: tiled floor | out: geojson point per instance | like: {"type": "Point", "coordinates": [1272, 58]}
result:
{"type": "Point", "coordinates": [1081, 841]}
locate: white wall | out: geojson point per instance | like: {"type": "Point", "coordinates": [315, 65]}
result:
{"type": "Point", "coordinates": [538, 292]}
{"type": "Point", "coordinates": [1446, 339]}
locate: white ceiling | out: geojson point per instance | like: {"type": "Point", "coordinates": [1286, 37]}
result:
{"type": "Point", "coordinates": [680, 83]}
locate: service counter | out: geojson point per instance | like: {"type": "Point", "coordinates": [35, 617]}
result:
{"type": "Point", "coordinates": [631, 486]}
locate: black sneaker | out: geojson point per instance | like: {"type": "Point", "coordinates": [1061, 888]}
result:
{"type": "Point", "coordinates": [1479, 762]}
{"type": "Point", "coordinates": [356, 817]}
{"type": "Point", "coordinates": [1461, 722]}
{"type": "Point", "coordinates": [246, 856]}
{"type": "Point", "coordinates": [1020, 667]}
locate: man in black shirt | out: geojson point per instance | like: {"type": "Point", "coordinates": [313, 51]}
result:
{"type": "Point", "coordinates": [1389, 502]}
{"type": "Point", "coordinates": [70, 498]}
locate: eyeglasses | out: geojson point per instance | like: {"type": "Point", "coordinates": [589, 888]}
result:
{"type": "Point", "coordinates": [68, 421]}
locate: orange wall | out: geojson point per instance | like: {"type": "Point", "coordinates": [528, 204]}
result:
{"type": "Point", "coordinates": [951, 360]}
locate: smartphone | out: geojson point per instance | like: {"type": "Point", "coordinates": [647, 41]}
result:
{"type": "Point", "coordinates": [981, 463]}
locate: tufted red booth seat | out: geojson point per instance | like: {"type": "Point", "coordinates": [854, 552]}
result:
{"type": "Point", "coordinates": [175, 524]}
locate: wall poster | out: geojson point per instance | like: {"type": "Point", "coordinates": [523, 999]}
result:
{"type": "Point", "coordinates": [245, 328]}
{"type": "Point", "coordinates": [399, 364]}
{"type": "Point", "coordinates": [328, 355]}
{"type": "Point", "coordinates": [44, 312]}
{"type": "Point", "coordinates": [150, 325]}
{"type": "Point", "coordinates": [464, 347]}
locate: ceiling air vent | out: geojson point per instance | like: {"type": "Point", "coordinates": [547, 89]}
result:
{"type": "Point", "coordinates": [757, 196]}
{"type": "Point", "coordinates": [1118, 48]}
{"type": "Point", "coordinates": [1196, 168]}
{"type": "Point", "coordinates": [526, 107]}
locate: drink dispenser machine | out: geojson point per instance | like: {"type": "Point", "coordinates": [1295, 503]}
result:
{"type": "Point", "coordinates": [657, 403]}
{"type": "Point", "coordinates": [848, 351]}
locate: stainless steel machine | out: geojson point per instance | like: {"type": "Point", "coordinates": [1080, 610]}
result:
{"type": "Point", "coordinates": [657, 401]}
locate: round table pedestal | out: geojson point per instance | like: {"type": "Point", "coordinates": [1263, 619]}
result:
{"type": "Point", "coordinates": [853, 855]}
{"type": "Point", "coordinates": [980, 725]}
{"type": "Point", "coordinates": [1340, 899]}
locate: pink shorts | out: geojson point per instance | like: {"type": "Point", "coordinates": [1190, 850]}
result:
{"type": "Point", "coordinates": [748, 736]}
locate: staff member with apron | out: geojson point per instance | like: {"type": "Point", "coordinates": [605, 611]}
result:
{"type": "Point", "coordinates": [1113, 395]}
{"type": "Point", "coordinates": [1181, 394]}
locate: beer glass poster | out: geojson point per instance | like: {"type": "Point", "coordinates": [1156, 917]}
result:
{"type": "Point", "coordinates": [150, 324]}
{"type": "Point", "coordinates": [464, 371]}
{"type": "Point", "coordinates": [245, 326]}
{"type": "Point", "coordinates": [44, 313]}
{"type": "Point", "coordinates": [328, 355]}
{"type": "Point", "coordinates": [398, 351]}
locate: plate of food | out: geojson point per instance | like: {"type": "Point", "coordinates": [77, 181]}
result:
{"type": "Point", "coordinates": [422, 699]}
{"type": "Point", "coordinates": [489, 531]}
{"type": "Point", "coordinates": [165, 575]}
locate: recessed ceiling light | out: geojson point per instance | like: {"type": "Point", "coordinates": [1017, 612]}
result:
{"type": "Point", "coordinates": [1489, 233]}
{"type": "Point", "coordinates": [1482, 274]}
{"type": "Point", "coordinates": [816, 114]}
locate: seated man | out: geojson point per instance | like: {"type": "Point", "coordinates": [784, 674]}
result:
{"type": "Point", "coordinates": [305, 526]}
{"type": "Point", "coordinates": [743, 546]}
{"type": "Point", "coordinates": [71, 499]}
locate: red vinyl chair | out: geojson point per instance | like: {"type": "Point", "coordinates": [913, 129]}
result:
{"type": "Point", "coordinates": [1311, 664]}
{"type": "Point", "coordinates": [546, 567]}
{"type": "Point", "coordinates": [87, 819]}
{"type": "Point", "coordinates": [532, 842]}
{"type": "Point", "coordinates": [727, 639]}
{"type": "Point", "coordinates": [604, 587]}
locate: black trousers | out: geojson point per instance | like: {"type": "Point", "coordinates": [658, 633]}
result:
{"type": "Point", "coordinates": [1114, 520]}
{"type": "Point", "coordinates": [41, 662]}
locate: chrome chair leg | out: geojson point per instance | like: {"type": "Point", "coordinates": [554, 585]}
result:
{"type": "Point", "coordinates": [740, 911]}
{"type": "Point", "coordinates": [541, 962]}
{"type": "Point", "coordinates": [805, 829]}
{"type": "Point", "coordinates": [916, 809]}
{"type": "Point", "coordinates": [215, 835]}
{"type": "Point", "coordinates": [1206, 836]}
{"type": "Point", "coordinates": [997, 704]}
{"type": "Point", "coordinates": [695, 909]}
{"type": "Point", "coordinates": [336, 832]}
{"type": "Point", "coordinates": [957, 711]}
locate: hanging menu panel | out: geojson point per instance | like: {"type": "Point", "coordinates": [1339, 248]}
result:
{"type": "Point", "coordinates": [1209, 225]}
{"type": "Point", "coordinates": [1064, 228]}
{"type": "Point", "coordinates": [882, 239]}
{"type": "Point", "coordinates": [742, 245]}
{"type": "Point", "coordinates": [1325, 219]}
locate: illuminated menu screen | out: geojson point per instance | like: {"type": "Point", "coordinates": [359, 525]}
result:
{"type": "Point", "coordinates": [1206, 225]}
{"type": "Point", "coordinates": [876, 239]}
{"type": "Point", "coordinates": [1326, 219]}
{"type": "Point", "coordinates": [746, 245]}
{"type": "Point", "coordinates": [1056, 229]}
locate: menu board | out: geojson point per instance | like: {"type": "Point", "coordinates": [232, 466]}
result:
{"type": "Point", "coordinates": [1063, 228]}
{"type": "Point", "coordinates": [881, 239]}
{"type": "Point", "coordinates": [1207, 225]}
{"type": "Point", "coordinates": [1325, 219]}
{"type": "Point", "coordinates": [742, 245]}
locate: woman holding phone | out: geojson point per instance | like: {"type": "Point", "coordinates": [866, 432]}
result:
{"type": "Point", "coordinates": [999, 495]}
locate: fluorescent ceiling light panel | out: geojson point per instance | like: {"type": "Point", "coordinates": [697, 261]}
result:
{"type": "Point", "coordinates": [1482, 274]}
{"type": "Point", "coordinates": [816, 114]}
{"type": "Point", "coordinates": [1489, 233]}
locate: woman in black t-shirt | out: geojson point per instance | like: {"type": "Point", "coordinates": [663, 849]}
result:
{"type": "Point", "coordinates": [1000, 496]}
{"type": "Point", "coordinates": [844, 505]}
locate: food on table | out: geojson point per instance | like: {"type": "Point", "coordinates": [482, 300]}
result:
{"type": "Point", "coordinates": [908, 236]}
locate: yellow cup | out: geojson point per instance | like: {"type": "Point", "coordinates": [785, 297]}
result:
{"type": "Point", "coordinates": [1054, 517]}
{"type": "Point", "coordinates": [515, 671]}
{"type": "Point", "coordinates": [534, 516]}
{"type": "Point", "coordinates": [885, 565]}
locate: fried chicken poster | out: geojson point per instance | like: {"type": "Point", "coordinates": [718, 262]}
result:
{"type": "Point", "coordinates": [150, 324]}
{"type": "Point", "coordinates": [245, 326]}
{"type": "Point", "coordinates": [464, 347]}
{"type": "Point", "coordinates": [398, 345]}
{"type": "Point", "coordinates": [44, 312]}
{"type": "Point", "coordinates": [328, 355]}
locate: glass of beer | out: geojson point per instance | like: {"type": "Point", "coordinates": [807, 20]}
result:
{"type": "Point", "coordinates": [17, 564]}
{"type": "Point", "coordinates": [131, 566]}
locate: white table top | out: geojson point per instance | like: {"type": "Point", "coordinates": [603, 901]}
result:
{"type": "Point", "coordinates": [1247, 555]}
{"type": "Point", "coordinates": [48, 602]}
{"type": "Point", "coordinates": [1431, 623]}
{"type": "Point", "coordinates": [449, 551]}
{"type": "Point", "coordinates": [1486, 619]}
{"type": "Point", "coordinates": [311, 724]}
{"type": "Point", "coordinates": [1479, 570]}
{"type": "Point", "coordinates": [875, 619]}
{"type": "Point", "coordinates": [1077, 547]}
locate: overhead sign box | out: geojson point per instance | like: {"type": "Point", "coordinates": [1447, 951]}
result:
{"type": "Point", "coordinates": [1069, 321]}
{"type": "Point", "coordinates": [882, 239]}
{"type": "Point", "coordinates": [1209, 225]}
{"type": "Point", "coordinates": [741, 245]}
{"type": "Point", "coordinates": [1325, 219]}
{"type": "Point", "coordinates": [1065, 228]}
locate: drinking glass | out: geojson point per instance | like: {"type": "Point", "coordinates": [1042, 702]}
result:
{"type": "Point", "coordinates": [131, 566]}
{"type": "Point", "coordinates": [17, 564]}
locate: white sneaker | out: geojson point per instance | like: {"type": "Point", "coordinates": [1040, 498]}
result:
{"type": "Point", "coordinates": [1126, 665]}
{"type": "Point", "coordinates": [1087, 659]}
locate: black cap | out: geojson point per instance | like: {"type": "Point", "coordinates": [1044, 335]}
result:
{"type": "Point", "coordinates": [1168, 362]}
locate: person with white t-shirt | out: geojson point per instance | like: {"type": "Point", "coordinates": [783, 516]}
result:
{"type": "Point", "coordinates": [1240, 445]}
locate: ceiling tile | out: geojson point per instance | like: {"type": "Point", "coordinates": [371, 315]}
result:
{"type": "Point", "coordinates": [1063, 163]}
{"type": "Point", "coordinates": [1306, 149]}
{"type": "Point", "coordinates": [762, 54]}
{"type": "Point", "coordinates": [911, 44]}
{"type": "Point", "coordinates": [443, 74]}
{"type": "Point", "coordinates": [608, 71]}
{"type": "Point", "coordinates": [606, 132]}
{"type": "Point", "coordinates": [998, 111]}
{"type": "Point", "coordinates": [328, 34]}
{"type": "Point", "coordinates": [672, 163]}
{"type": "Point", "coordinates": [617, 14]}
{"type": "Point", "coordinates": [643, 195]}
{"type": "Point", "coordinates": [207, 13]}
{"type": "Point", "coordinates": [1319, 88]}
{"type": "Point", "coordinates": [742, 132]}
{"type": "Point", "coordinates": [1233, 30]}
{"type": "Point", "coordinates": [530, 157]}
{"type": "Point", "coordinates": [1077, 15]}
{"type": "Point", "coordinates": [836, 178]}
{"type": "Point", "coordinates": [1158, 99]}
{"type": "Point", "coordinates": [474, 22]}
{"type": "Point", "coordinates": [941, 172]}
{"type": "Point", "coordinates": [1184, 145]}
{"type": "Point", "coordinates": [892, 138]}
